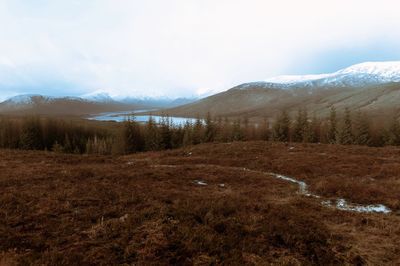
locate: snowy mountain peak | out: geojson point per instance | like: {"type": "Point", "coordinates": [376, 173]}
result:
{"type": "Point", "coordinates": [386, 69]}
{"type": "Point", "coordinates": [369, 73]}
{"type": "Point", "coordinates": [98, 96]}
{"type": "Point", "coordinates": [25, 99]}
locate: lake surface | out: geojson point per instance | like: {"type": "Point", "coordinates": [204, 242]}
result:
{"type": "Point", "coordinates": [135, 114]}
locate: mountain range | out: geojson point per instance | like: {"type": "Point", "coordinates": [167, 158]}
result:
{"type": "Point", "coordinates": [92, 103]}
{"type": "Point", "coordinates": [372, 87]}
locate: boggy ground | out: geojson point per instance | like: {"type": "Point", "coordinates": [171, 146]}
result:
{"type": "Point", "coordinates": [148, 209]}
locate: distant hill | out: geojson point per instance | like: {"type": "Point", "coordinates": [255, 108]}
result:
{"type": "Point", "coordinates": [92, 103]}
{"type": "Point", "coordinates": [158, 102]}
{"type": "Point", "coordinates": [43, 105]}
{"type": "Point", "coordinates": [373, 88]}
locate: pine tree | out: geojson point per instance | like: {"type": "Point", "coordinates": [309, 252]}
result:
{"type": "Point", "coordinates": [281, 127]}
{"type": "Point", "coordinates": [89, 147]}
{"type": "Point", "coordinates": [197, 136]}
{"type": "Point", "coordinates": [300, 133]}
{"type": "Point", "coordinates": [226, 131]}
{"type": "Point", "coordinates": [165, 133]}
{"type": "Point", "coordinates": [210, 129]}
{"type": "Point", "coordinates": [132, 137]}
{"type": "Point", "coordinates": [152, 135]}
{"type": "Point", "coordinates": [219, 129]}
{"type": "Point", "coordinates": [265, 133]}
{"type": "Point", "coordinates": [177, 137]}
{"type": "Point", "coordinates": [237, 133]}
{"type": "Point", "coordinates": [314, 135]}
{"type": "Point", "coordinates": [363, 133]}
{"type": "Point", "coordinates": [346, 133]}
{"type": "Point", "coordinates": [188, 134]}
{"type": "Point", "coordinates": [31, 135]}
{"type": "Point", "coordinates": [67, 147]}
{"type": "Point", "coordinates": [247, 131]}
{"type": "Point", "coordinates": [392, 135]}
{"type": "Point", "coordinates": [333, 131]}
{"type": "Point", "coordinates": [57, 148]}
{"type": "Point", "coordinates": [10, 133]}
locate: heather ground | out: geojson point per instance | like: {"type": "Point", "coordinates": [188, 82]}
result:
{"type": "Point", "coordinates": [151, 209]}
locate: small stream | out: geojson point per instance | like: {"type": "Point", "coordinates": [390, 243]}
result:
{"type": "Point", "coordinates": [340, 204]}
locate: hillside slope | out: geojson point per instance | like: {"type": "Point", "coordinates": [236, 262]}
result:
{"type": "Point", "coordinates": [255, 100]}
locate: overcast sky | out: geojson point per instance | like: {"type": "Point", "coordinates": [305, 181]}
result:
{"type": "Point", "coordinates": [184, 47]}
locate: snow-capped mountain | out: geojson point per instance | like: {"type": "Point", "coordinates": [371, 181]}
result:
{"type": "Point", "coordinates": [98, 96]}
{"type": "Point", "coordinates": [372, 87]}
{"type": "Point", "coordinates": [21, 99]}
{"type": "Point", "coordinates": [364, 74]}
{"type": "Point", "coordinates": [91, 103]}
{"type": "Point", "coordinates": [159, 102]}
{"type": "Point", "coordinates": [38, 104]}
{"type": "Point", "coordinates": [25, 100]}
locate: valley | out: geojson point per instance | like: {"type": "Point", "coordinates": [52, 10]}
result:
{"type": "Point", "coordinates": [372, 88]}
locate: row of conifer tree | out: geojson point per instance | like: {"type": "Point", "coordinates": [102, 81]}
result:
{"type": "Point", "coordinates": [36, 133]}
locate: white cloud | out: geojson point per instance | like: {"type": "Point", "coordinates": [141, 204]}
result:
{"type": "Point", "coordinates": [157, 47]}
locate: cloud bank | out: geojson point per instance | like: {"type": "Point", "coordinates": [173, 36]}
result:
{"type": "Point", "coordinates": [184, 47]}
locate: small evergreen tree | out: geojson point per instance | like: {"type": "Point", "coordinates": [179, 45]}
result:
{"type": "Point", "coordinates": [362, 128]}
{"type": "Point", "coordinates": [31, 135]}
{"type": "Point", "coordinates": [197, 135]}
{"type": "Point", "coordinates": [177, 137]}
{"type": "Point", "coordinates": [300, 133]}
{"type": "Point", "coordinates": [333, 131]}
{"type": "Point", "coordinates": [237, 133]}
{"type": "Point", "coordinates": [265, 130]}
{"type": "Point", "coordinates": [165, 133]}
{"type": "Point", "coordinates": [132, 136]}
{"type": "Point", "coordinates": [152, 135]}
{"type": "Point", "coordinates": [210, 129]}
{"type": "Point", "coordinates": [188, 134]}
{"type": "Point", "coordinates": [281, 127]}
{"type": "Point", "coordinates": [314, 135]}
{"type": "Point", "coordinates": [346, 132]}
{"type": "Point", "coordinates": [392, 134]}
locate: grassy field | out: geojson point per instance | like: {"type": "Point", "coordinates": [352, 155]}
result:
{"type": "Point", "coordinates": [209, 204]}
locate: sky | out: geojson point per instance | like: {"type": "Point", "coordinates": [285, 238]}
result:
{"type": "Point", "coordinates": [184, 48]}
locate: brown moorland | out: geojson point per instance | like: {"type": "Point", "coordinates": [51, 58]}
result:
{"type": "Point", "coordinates": [209, 204]}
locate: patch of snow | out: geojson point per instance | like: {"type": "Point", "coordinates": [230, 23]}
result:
{"type": "Point", "coordinates": [200, 183]}
{"type": "Point", "coordinates": [369, 73]}
{"type": "Point", "coordinates": [288, 79]}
